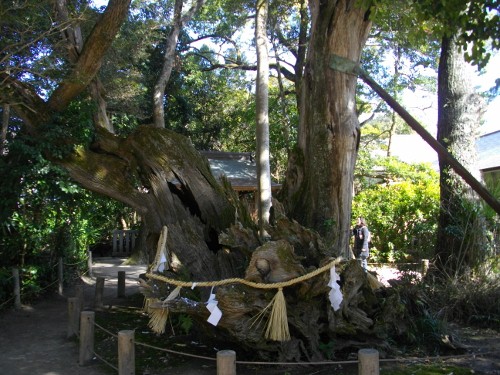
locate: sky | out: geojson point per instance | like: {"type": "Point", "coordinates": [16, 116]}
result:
{"type": "Point", "coordinates": [486, 81]}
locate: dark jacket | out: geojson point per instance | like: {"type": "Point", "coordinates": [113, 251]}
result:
{"type": "Point", "coordinates": [361, 235]}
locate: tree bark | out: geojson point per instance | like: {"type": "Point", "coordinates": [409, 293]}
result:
{"type": "Point", "coordinates": [73, 39]}
{"type": "Point", "coordinates": [90, 57]}
{"type": "Point", "coordinates": [459, 114]}
{"type": "Point", "coordinates": [262, 117]}
{"type": "Point", "coordinates": [160, 175]}
{"type": "Point", "coordinates": [318, 189]}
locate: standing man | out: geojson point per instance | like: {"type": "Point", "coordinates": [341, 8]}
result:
{"type": "Point", "coordinates": [361, 238]}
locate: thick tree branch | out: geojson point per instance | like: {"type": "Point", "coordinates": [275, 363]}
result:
{"type": "Point", "coordinates": [24, 100]}
{"type": "Point", "coordinates": [72, 37]}
{"type": "Point", "coordinates": [89, 61]}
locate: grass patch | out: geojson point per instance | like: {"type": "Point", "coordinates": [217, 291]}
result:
{"type": "Point", "coordinates": [132, 317]}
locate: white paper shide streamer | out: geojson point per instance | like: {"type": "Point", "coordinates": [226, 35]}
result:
{"type": "Point", "coordinates": [161, 264]}
{"type": "Point", "coordinates": [335, 294]}
{"type": "Point", "coordinates": [215, 312]}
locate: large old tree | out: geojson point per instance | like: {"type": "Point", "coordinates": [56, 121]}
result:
{"type": "Point", "coordinates": [320, 173]}
{"type": "Point", "coordinates": [209, 234]}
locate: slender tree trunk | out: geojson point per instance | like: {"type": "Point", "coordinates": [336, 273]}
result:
{"type": "Point", "coordinates": [286, 119]}
{"type": "Point", "coordinates": [459, 113]}
{"type": "Point", "coordinates": [395, 78]}
{"type": "Point", "coordinates": [320, 173]}
{"type": "Point", "coordinates": [168, 63]}
{"type": "Point", "coordinates": [178, 23]}
{"type": "Point", "coordinates": [301, 49]}
{"type": "Point", "coordinates": [262, 116]}
{"type": "Point", "coordinates": [5, 126]}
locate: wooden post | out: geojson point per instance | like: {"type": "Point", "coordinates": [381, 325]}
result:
{"type": "Point", "coordinates": [79, 292]}
{"type": "Point", "coordinates": [121, 284]}
{"type": "Point", "coordinates": [99, 292]}
{"type": "Point", "coordinates": [115, 241]}
{"type": "Point", "coordinates": [368, 362]}
{"type": "Point", "coordinates": [86, 337]}
{"type": "Point", "coordinates": [73, 316]}
{"type": "Point", "coordinates": [17, 288]}
{"type": "Point", "coordinates": [425, 267]}
{"type": "Point", "coordinates": [226, 362]}
{"type": "Point", "coordinates": [89, 262]}
{"type": "Point", "coordinates": [120, 242]}
{"type": "Point", "coordinates": [133, 241]}
{"type": "Point", "coordinates": [126, 353]}
{"type": "Point", "coordinates": [127, 241]}
{"type": "Point", "coordinates": [60, 276]}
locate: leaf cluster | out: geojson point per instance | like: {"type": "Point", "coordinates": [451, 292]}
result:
{"type": "Point", "coordinates": [476, 22]}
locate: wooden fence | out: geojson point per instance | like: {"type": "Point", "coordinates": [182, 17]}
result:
{"type": "Point", "coordinates": [123, 242]}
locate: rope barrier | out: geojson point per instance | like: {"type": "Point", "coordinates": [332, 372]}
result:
{"type": "Point", "coordinates": [102, 359]}
{"type": "Point", "coordinates": [98, 356]}
{"type": "Point", "coordinates": [235, 280]}
{"type": "Point", "coordinates": [175, 352]}
{"type": "Point", "coordinates": [316, 363]}
{"type": "Point", "coordinates": [105, 330]}
{"type": "Point", "coordinates": [269, 286]}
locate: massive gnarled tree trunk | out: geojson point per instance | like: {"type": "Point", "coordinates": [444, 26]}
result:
{"type": "Point", "coordinates": [320, 174]}
{"type": "Point", "coordinates": [159, 174]}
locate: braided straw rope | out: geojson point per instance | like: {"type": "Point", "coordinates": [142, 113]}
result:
{"type": "Point", "coordinates": [277, 325]}
{"type": "Point", "coordinates": [252, 284]}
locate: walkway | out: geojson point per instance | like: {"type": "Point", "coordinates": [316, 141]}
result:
{"type": "Point", "coordinates": [33, 340]}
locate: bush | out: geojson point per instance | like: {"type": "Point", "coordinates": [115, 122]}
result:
{"type": "Point", "coordinates": [402, 215]}
{"type": "Point", "coordinates": [471, 299]}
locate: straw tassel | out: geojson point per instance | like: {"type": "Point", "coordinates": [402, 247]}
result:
{"type": "Point", "coordinates": [157, 316]}
{"type": "Point", "coordinates": [277, 326]}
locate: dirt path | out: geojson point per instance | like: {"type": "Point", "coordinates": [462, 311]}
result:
{"type": "Point", "coordinates": [33, 340]}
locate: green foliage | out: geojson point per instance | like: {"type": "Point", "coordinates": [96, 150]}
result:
{"type": "Point", "coordinates": [44, 215]}
{"type": "Point", "coordinates": [401, 211]}
{"type": "Point", "coordinates": [185, 323]}
{"type": "Point", "coordinates": [328, 350]}
{"type": "Point", "coordinates": [66, 130]}
{"type": "Point", "coordinates": [477, 23]}
{"type": "Point", "coordinates": [415, 322]}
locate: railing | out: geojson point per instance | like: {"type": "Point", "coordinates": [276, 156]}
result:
{"type": "Point", "coordinates": [123, 242]}
{"type": "Point", "coordinates": [368, 360]}
{"type": "Point", "coordinates": [82, 324]}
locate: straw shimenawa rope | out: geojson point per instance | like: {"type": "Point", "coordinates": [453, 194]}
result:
{"type": "Point", "coordinates": [277, 326]}
{"type": "Point", "coordinates": [281, 284]}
